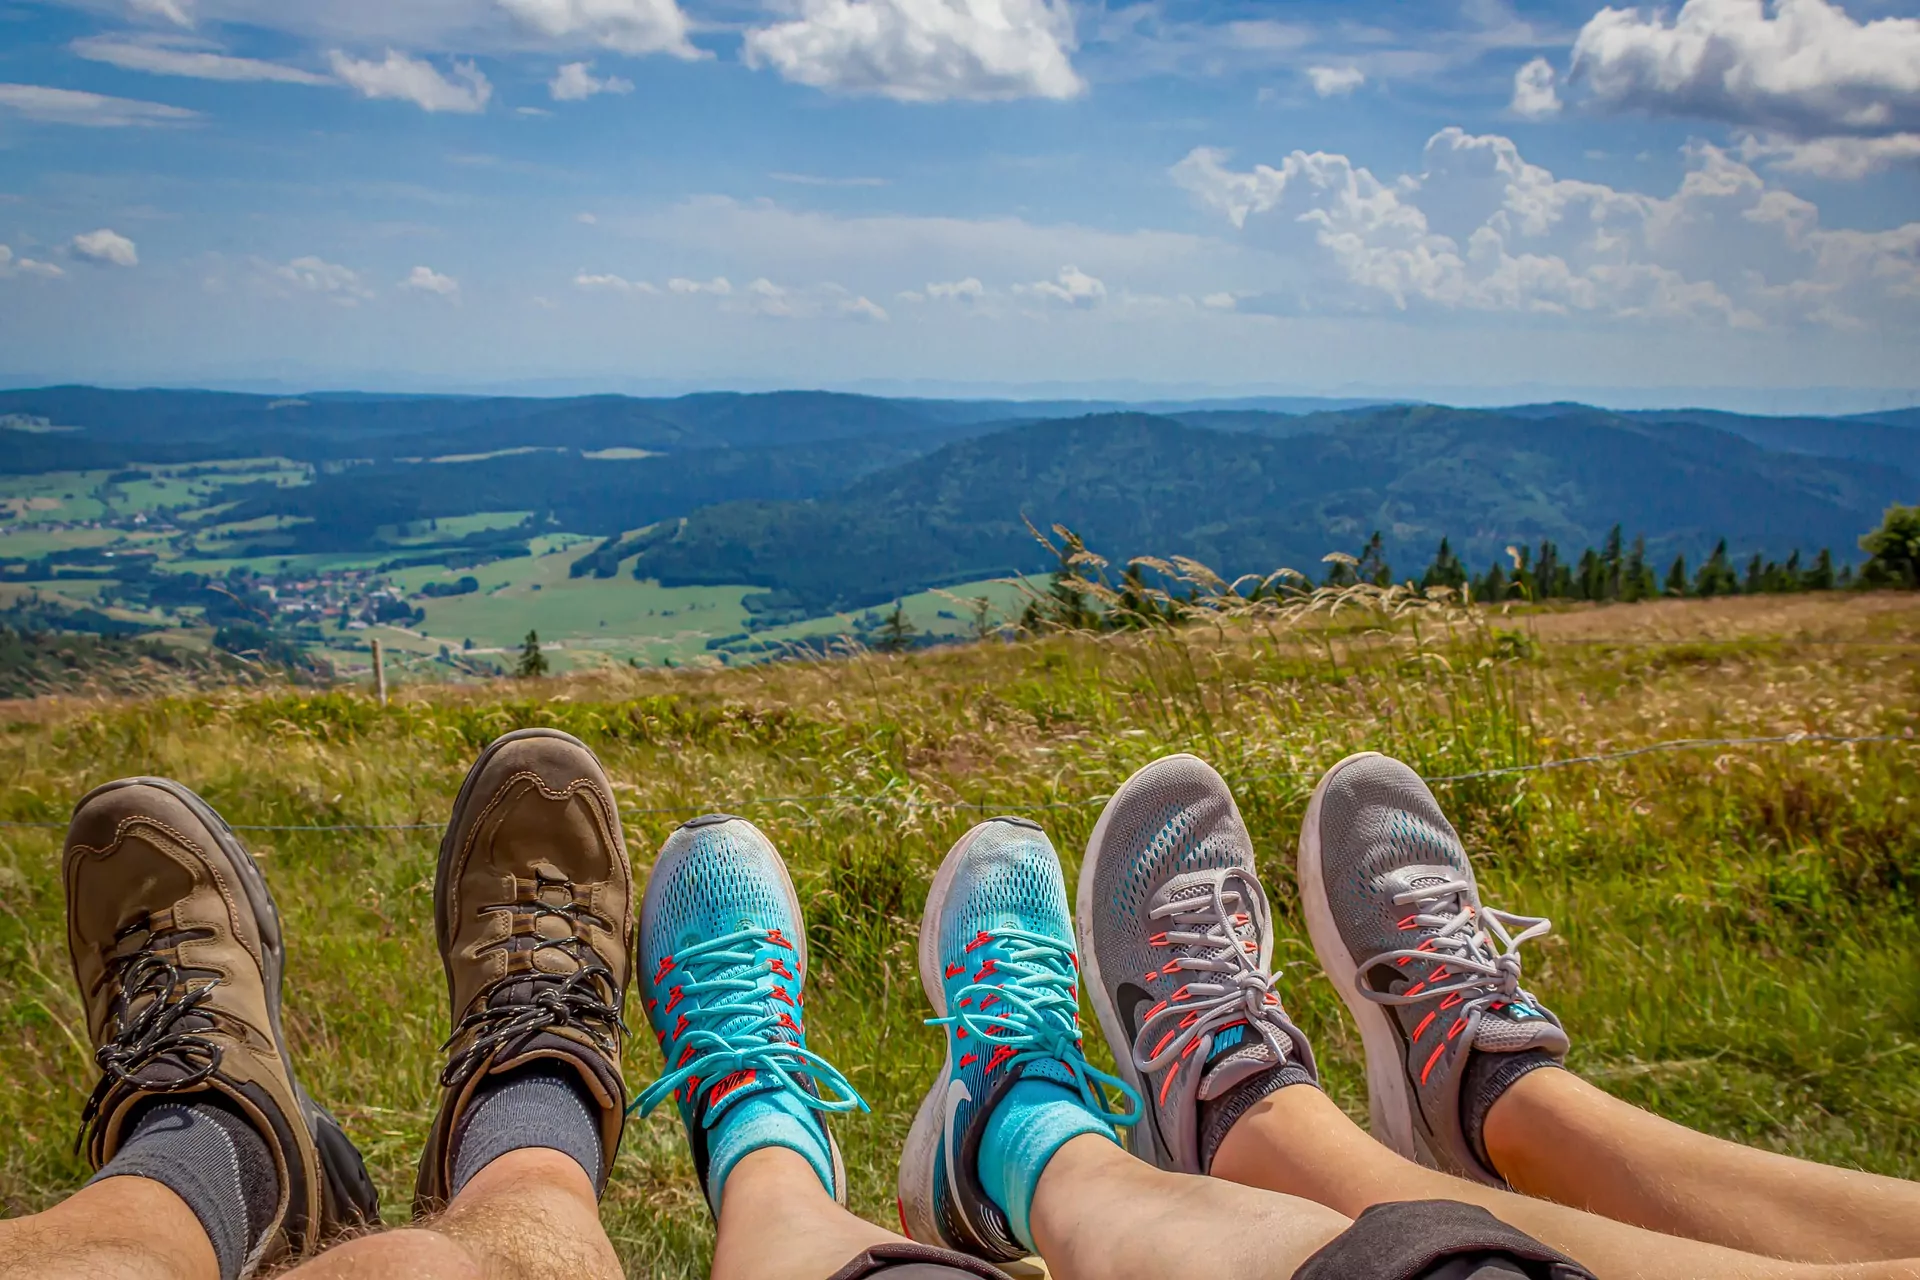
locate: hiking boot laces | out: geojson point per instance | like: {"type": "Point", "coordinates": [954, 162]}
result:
{"type": "Point", "coordinates": [584, 999]}
{"type": "Point", "coordinates": [1472, 974]}
{"type": "Point", "coordinates": [1220, 930]}
{"type": "Point", "coordinates": [744, 1030]}
{"type": "Point", "coordinates": [1032, 1015]}
{"type": "Point", "coordinates": [158, 1016]}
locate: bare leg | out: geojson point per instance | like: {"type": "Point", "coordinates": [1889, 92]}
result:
{"type": "Point", "coordinates": [1555, 1136]}
{"type": "Point", "coordinates": [1100, 1214]}
{"type": "Point", "coordinates": [1299, 1143]}
{"type": "Point", "coordinates": [778, 1223]}
{"type": "Point", "coordinates": [529, 1215]}
{"type": "Point", "coordinates": [119, 1229]}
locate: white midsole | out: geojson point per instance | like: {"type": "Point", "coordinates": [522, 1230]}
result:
{"type": "Point", "coordinates": [918, 1214]}
{"type": "Point", "coordinates": [1390, 1103]}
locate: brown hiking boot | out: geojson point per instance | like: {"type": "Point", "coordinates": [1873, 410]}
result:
{"type": "Point", "coordinates": [176, 947]}
{"type": "Point", "coordinates": [533, 904]}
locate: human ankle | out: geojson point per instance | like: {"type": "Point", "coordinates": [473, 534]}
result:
{"type": "Point", "coordinates": [1492, 1080]}
{"type": "Point", "coordinates": [1033, 1121]}
{"type": "Point", "coordinates": [761, 1121]}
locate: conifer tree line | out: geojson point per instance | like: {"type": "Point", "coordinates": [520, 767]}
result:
{"type": "Point", "coordinates": [1616, 571]}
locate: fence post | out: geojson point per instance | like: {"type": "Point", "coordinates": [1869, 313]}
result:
{"type": "Point", "coordinates": [379, 673]}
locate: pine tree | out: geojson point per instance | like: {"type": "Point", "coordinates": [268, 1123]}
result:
{"type": "Point", "coordinates": [1716, 577]}
{"type": "Point", "coordinates": [1756, 576]}
{"type": "Point", "coordinates": [1591, 577]}
{"type": "Point", "coordinates": [1492, 589]}
{"type": "Point", "coordinates": [1820, 577]}
{"type": "Point", "coordinates": [1373, 566]}
{"type": "Point", "coordinates": [897, 632]}
{"type": "Point", "coordinates": [1677, 578]}
{"type": "Point", "coordinates": [1637, 582]}
{"type": "Point", "coordinates": [1547, 572]}
{"type": "Point", "coordinates": [533, 662]}
{"type": "Point", "coordinates": [1612, 565]}
{"type": "Point", "coordinates": [1446, 569]}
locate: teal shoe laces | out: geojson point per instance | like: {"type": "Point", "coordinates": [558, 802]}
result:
{"type": "Point", "coordinates": [1032, 1015]}
{"type": "Point", "coordinates": [733, 1031]}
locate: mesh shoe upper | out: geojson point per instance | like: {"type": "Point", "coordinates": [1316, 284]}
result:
{"type": "Point", "coordinates": [1177, 927]}
{"type": "Point", "coordinates": [723, 966]}
{"type": "Point", "coordinates": [1442, 966]}
{"type": "Point", "coordinates": [997, 943]}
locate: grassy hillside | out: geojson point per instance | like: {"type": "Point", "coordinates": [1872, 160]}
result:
{"type": "Point", "coordinates": [1249, 502]}
{"type": "Point", "coordinates": [1736, 931]}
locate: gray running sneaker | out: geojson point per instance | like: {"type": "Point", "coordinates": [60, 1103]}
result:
{"type": "Point", "coordinates": [1431, 975]}
{"type": "Point", "coordinates": [1176, 944]}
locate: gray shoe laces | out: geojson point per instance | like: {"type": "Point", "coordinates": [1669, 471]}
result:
{"type": "Point", "coordinates": [1222, 928]}
{"type": "Point", "coordinates": [1463, 941]}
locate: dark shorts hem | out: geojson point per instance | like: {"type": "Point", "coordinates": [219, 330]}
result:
{"type": "Point", "coordinates": [1436, 1240]}
{"type": "Point", "coordinates": [908, 1261]}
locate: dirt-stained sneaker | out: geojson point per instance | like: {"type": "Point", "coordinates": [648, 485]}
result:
{"type": "Point", "coordinates": [533, 907]}
{"type": "Point", "coordinates": [723, 969]}
{"type": "Point", "coordinates": [177, 950]}
{"type": "Point", "coordinates": [998, 965]}
{"type": "Point", "coordinates": [1177, 943]}
{"type": "Point", "coordinates": [1431, 974]}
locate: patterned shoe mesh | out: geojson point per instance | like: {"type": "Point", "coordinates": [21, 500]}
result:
{"type": "Point", "coordinates": [1402, 891]}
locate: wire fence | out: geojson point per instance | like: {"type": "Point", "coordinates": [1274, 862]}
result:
{"type": "Point", "coordinates": [904, 801]}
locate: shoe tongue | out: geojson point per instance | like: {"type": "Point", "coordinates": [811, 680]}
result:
{"type": "Point", "coordinates": [1235, 1054]}
{"type": "Point", "coordinates": [730, 1090]}
{"type": "Point", "coordinates": [1516, 1027]}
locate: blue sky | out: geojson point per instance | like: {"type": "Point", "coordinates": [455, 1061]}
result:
{"type": "Point", "coordinates": [1459, 198]}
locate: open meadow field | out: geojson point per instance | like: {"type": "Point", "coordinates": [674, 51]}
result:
{"type": "Point", "coordinates": [1736, 928]}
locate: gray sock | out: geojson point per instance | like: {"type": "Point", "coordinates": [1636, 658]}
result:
{"type": "Point", "coordinates": [545, 1104]}
{"type": "Point", "coordinates": [212, 1158]}
{"type": "Point", "coordinates": [1490, 1075]}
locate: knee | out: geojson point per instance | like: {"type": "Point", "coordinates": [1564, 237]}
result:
{"type": "Point", "coordinates": [427, 1255]}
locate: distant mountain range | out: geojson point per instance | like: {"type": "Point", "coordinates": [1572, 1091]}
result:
{"type": "Point", "coordinates": [846, 501]}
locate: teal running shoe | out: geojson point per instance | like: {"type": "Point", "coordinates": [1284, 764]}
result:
{"type": "Point", "coordinates": [997, 962]}
{"type": "Point", "coordinates": [722, 967]}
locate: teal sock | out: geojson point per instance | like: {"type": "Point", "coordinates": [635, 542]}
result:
{"type": "Point", "coordinates": [774, 1118]}
{"type": "Point", "coordinates": [1034, 1120]}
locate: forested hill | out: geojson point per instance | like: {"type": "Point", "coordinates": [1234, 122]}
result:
{"type": "Point", "coordinates": [1250, 501]}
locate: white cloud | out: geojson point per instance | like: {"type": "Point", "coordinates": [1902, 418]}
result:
{"type": "Point", "coordinates": [968, 290]}
{"type": "Point", "coordinates": [1336, 82]}
{"type": "Point", "coordinates": [576, 82]}
{"type": "Point", "coordinates": [178, 12]}
{"type": "Point", "coordinates": [93, 110]}
{"type": "Point", "coordinates": [1220, 301]}
{"type": "Point", "coordinates": [1841, 158]}
{"type": "Point", "coordinates": [1807, 69]}
{"type": "Point", "coordinates": [1480, 229]}
{"type": "Point", "coordinates": [427, 280]}
{"type": "Point", "coordinates": [12, 266]}
{"type": "Point", "coordinates": [336, 283]}
{"type": "Point", "coordinates": [719, 286]}
{"type": "Point", "coordinates": [168, 59]}
{"type": "Point", "coordinates": [1535, 93]}
{"type": "Point", "coordinates": [104, 248]}
{"type": "Point", "coordinates": [925, 50]}
{"type": "Point", "coordinates": [417, 81]}
{"type": "Point", "coordinates": [1073, 287]}
{"type": "Point", "coordinates": [625, 26]}
{"type": "Point", "coordinates": [611, 284]}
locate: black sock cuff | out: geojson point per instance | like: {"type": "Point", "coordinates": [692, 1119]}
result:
{"type": "Point", "coordinates": [1489, 1076]}
{"type": "Point", "coordinates": [1219, 1116]}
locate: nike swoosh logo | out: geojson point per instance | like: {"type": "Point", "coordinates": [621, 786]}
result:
{"type": "Point", "coordinates": [1131, 999]}
{"type": "Point", "coordinates": [957, 1093]}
